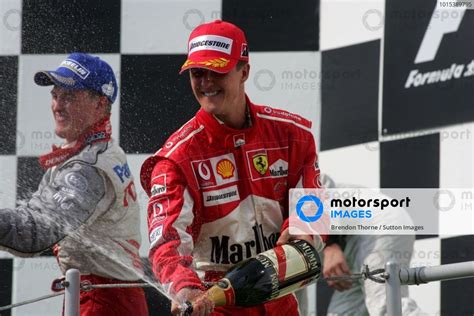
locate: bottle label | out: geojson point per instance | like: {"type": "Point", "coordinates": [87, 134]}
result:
{"type": "Point", "coordinates": [271, 274]}
{"type": "Point", "coordinates": [271, 269]}
{"type": "Point", "coordinates": [290, 266]}
{"type": "Point", "coordinates": [310, 254]}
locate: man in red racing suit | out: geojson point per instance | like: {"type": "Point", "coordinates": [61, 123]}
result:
{"type": "Point", "coordinates": [219, 193]}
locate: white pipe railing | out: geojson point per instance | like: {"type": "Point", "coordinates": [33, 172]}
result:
{"type": "Point", "coordinates": [72, 293]}
{"type": "Point", "coordinates": [396, 276]}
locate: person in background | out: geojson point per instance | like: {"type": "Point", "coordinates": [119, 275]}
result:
{"type": "Point", "coordinates": [85, 206]}
{"type": "Point", "coordinates": [219, 186]}
{"type": "Point", "coordinates": [347, 254]}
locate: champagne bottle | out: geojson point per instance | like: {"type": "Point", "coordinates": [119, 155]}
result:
{"type": "Point", "coordinates": [267, 276]}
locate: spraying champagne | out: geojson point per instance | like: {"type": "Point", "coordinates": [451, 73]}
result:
{"type": "Point", "coordinates": [267, 276]}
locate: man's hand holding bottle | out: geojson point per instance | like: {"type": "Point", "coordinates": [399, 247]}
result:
{"type": "Point", "coordinates": [314, 240]}
{"type": "Point", "coordinates": [202, 305]}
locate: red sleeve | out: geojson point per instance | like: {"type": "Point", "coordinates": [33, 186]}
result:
{"type": "Point", "coordinates": [170, 217]}
{"type": "Point", "coordinates": [309, 173]}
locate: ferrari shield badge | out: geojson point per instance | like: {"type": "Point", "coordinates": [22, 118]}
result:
{"type": "Point", "coordinates": [260, 163]}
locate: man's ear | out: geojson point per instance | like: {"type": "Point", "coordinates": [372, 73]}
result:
{"type": "Point", "coordinates": [245, 72]}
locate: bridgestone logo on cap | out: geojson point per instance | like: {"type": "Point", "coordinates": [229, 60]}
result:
{"type": "Point", "coordinates": [210, 42]}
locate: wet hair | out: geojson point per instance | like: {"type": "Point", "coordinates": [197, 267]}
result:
{"type": "Point", "coordinates": [95, 93]}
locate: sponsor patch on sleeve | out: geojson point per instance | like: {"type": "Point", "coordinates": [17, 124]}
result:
{"type": "Point", "coordinates": [155, 235]}
{"type": "Point", "coordinates": [76, 181]}
{"type": "Point", "coordinates": [159, 185]}
{"type": "Point", "coordinates": [160, 209]}
{"type": "Point", "coordinates": [123, 172]}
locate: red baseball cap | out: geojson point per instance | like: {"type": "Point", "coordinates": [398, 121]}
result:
{"type": "Point", "coordinates": [216, 46]}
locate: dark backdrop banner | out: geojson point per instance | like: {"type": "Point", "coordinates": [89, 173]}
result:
{"type": "Point", "coordinates": [428, 66]}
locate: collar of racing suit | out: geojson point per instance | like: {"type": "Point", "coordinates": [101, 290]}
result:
{"type": "Point", "coordinates": [225, 136]}
{"type": "Point", "coordinates": [99, 132]}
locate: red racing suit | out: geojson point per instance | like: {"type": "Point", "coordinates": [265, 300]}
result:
{"type": "Point", "coordinates": [220, 195]}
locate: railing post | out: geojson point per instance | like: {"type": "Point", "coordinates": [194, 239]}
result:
{"type": "Point", "coordinates": [72, 293]}
{"type": "Point", "coordinates": [392, 288]}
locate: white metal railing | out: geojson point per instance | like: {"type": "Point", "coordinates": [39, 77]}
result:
{"type": "Point", "coordinates": [396, 276]}
{"type": "Point", "coordinates": [393, 277]}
